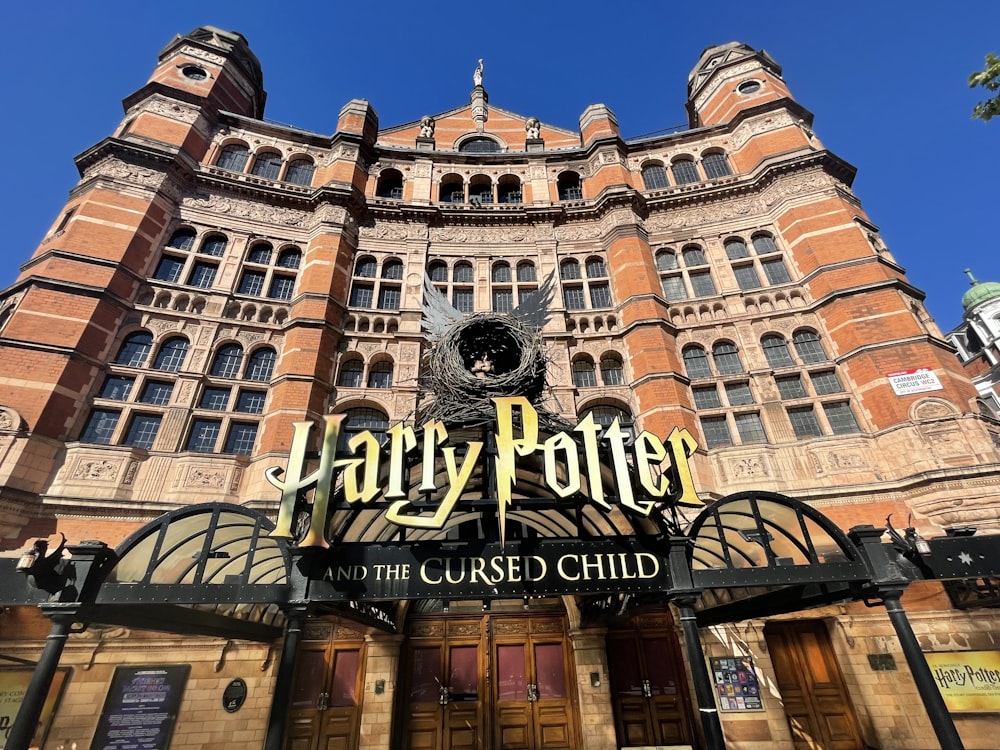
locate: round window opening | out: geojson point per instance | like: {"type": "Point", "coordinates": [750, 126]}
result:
{"type": "Point", "coordinates": [194, 72]}
{"type": "Point", "coordinates": [749, 87]}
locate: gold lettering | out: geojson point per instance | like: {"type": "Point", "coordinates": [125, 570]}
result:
{"type": "Point", "coordinates": [401, 441]}
{"type": "Point", "coordinates": [681, 447]}
{"type": "Point", "coordinates": [592, 458]}
{"type": "Point", "coordinates": [616, 438]}
{"type": "Point", "coordinates": [295, 482]}
{"type": "Point", "coordinates": [508, 447]}
{"type": "Point", "coordinates": [367, 489]}
{"type": "Point", "coordinates": [564, 443]}
{"type": "Point", "coordinates": [649, 450]}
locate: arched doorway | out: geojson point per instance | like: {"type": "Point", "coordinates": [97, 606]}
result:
{"type": "Point", "coordinates": [327, 690]}
{"type": "Point", "coordinates": [649, 683]}
{"type": "Point", "coordinates": [497, 680]}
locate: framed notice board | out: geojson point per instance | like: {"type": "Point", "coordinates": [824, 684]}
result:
{"type": "Point", "coordinates": [13, 685]}
{"type": "Point", "coordinates": [736, 685]}
{"type": "Point", "coordinates": [141, 708]}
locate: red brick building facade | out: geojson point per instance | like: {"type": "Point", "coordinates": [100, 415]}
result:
{"type": "Point", "coordinates": [215, 277]}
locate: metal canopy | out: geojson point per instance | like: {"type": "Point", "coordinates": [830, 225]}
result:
{"type": "Point", "coordinates": [756, 554]}
{"type": "Point", "coordinates": [215, 557]}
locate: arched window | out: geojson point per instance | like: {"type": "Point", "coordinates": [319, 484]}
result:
{"type": "Point", "coordinates": [568, 187]}
{"type": "Point", "coordinates": [361, 419]}
{"type": "Point", "coordinates": [267, 165]}
{"type": "Point", "coordinates": [390, 184]}
{"type": "Point", "coordinates": [300, 171]}
{"type": "Point", "coordinates": [479, 145]}
{"type": "Point", "coordinates": [452, 189]}
{"type": "Point", "coordinates": [526, 271]}
{"type": "Point", "coordinates": [463, 273]}
{"type": "Point", "coordinates": [380, 375]}
{"type": "Point", "coordinates": [685, 171]}
{"type": "Point", "coordinates": [290, 257]}
{"type": "Point", "coordinates": [808, 346]}
{"type": "Point", "coordinates": [260, 253]}
{"type": "Point", "coordinates": [171, 354]}
{"type": "Point", "coordinates": [569, 270]}
{"type": "Point", "coordinates": [509, 189]}
{"type": "Point", "coordinates": [351, 373]}
{"type": "Point", "coordinates": [612, 372]}
{"type": "Point", "coordinates": [726, 358]}
{"type": "Point", "coordinates": [214, 245]}
{"type": "Point", "coordinates": [261, 364]}
{"type": "Point", "coordinates": [583, 374]}
{"type": "Point", "coordinates": [500, 273]}
{"type": "Point", "coordinates": [776, 351]}
{"type": "Point", "coordinates": [693, 256]}
{"type": "Point", "coordinates": [480, 189]}
{"type": "Point", "coordinates": [227, 361]}
{"type": "Point", "coordinates": [654, 177]}
{"type": "Point", "coordinates": [365, 267]}
{"type": "Point", "coordinates": [736, 249]}
{"type": "Point", "coordinates": [135, 349]}
{"type": "Point", "coordinates": [666, 260]}
{"type": "Point", "coordinates": [392, 269]}
{"type": "Point", "coordinates": [182, 239]}
{"type": "Point", "coordinates": [716, 165]}
{"type": "Point", "coordinates": [764, 244]}
{"type": "Point", "coordinates": [696, 362]}
{"type": "Point", "coordinates": [233, 157]}
{"type": "Point", "coordinates": [604, 415]}
{"type": "Point", "coordinates": [438, 271]}
{"type": "Point", "coordinates": [596, 268]}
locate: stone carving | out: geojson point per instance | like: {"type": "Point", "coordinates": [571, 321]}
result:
{"type": "Point", "coordinates": [263, 212]}
{"type": "Point", "coordinates": [749, 467]}
{"type": "Point", "coordinates": [97, 469]}
{"type": "Point", "coordinates": [250, 337]}
{"type": "Point", "coordinates": [159, 327]}
{"type": "Point", "coordinates": [579, 232]}
{"type": "Point", "coordinates": [422, 169]}
{"type": "Point", "coordinates": [9, 419]}
{"type": "Point", "coordinates": [130, 472]}
{"type": "Point", "coordinates": [203, 55]}
{"type": "Point", "coordinates": [172, 110]}
{"type": "Point", "coordinates": [749, 128]}
{"type": "Point", "coordinates": [481, 235]}
{"type": "Point", "coordinates": [205, 478]}
{"type": "Point", "coordinates": [837, 461]}
{"type": "Point", "coordinates": [931, 409]}
{"type": "Point", "coordinates": [234, 484]}
{"type": "Point", "coordinates": [390, 230]}
{"type": "Point", "coordinates": [119, 170]}
{"type": "Point", "coordinates": [426, 126]}
{"type": "Point", "coordinates": [533, 128]}
{"type": "Point", "coordinates": [477, 75]}
{"type": "Point", "coordinates": [536, 172]}
{"type": "Point", "coordinates": [330, 214]}
{"type": "Point", "coordinates": [348, 152]}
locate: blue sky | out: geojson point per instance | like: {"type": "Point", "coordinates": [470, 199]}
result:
{"type": "Point", "coordinates": [885, 80]}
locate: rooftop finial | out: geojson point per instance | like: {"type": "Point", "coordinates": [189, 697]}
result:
{"type": "Point", "coordinates": [972, 279]}
{"type": "Point", "coordinates": [477, 76]}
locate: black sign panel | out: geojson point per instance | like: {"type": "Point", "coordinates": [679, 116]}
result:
{"type": "Point", "coordinates": [479, 570]}
{"type": "Point", "coordinates": [141, 708]}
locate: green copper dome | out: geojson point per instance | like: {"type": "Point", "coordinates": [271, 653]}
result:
{"type": "Point", "coordinates": [980, 292]}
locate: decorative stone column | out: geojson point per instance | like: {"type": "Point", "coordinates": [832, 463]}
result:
{"type": "Point", "coordinates": [381, 671]}
{"type": "Point", "coordinates": [597, 716]}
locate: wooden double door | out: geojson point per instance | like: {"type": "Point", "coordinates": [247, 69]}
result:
{"type": "Point", "coordinates": [325, 710]}
{"type": "Point", "coordinates": [816, 701]}
{"type": "Point", "coordinates": [649, 684]}
{"type": "Point", "coordinates": [496, 682]}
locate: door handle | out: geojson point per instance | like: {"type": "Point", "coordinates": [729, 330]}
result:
{"type": "Point", "coordinates": [443, 695]}
{"type": "Point", "coordinates": [323, 702]}
{"type": "Point", "coordinates": [647, 689]}
{"type": "Point", "coordinates": [532, 692]}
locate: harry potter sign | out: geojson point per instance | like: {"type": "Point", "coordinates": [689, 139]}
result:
{"type": "Point", "coordinates": [645, 471]}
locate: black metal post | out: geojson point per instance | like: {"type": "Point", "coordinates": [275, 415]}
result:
{"type": "Point", "coordinates": [277, 722]}
{"type": "Point", "coordinates": [26, 722]}
{"type": "Point", "coordinates": [937, 712]}
{"type": "Point", "coordinates": [703, 688]}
